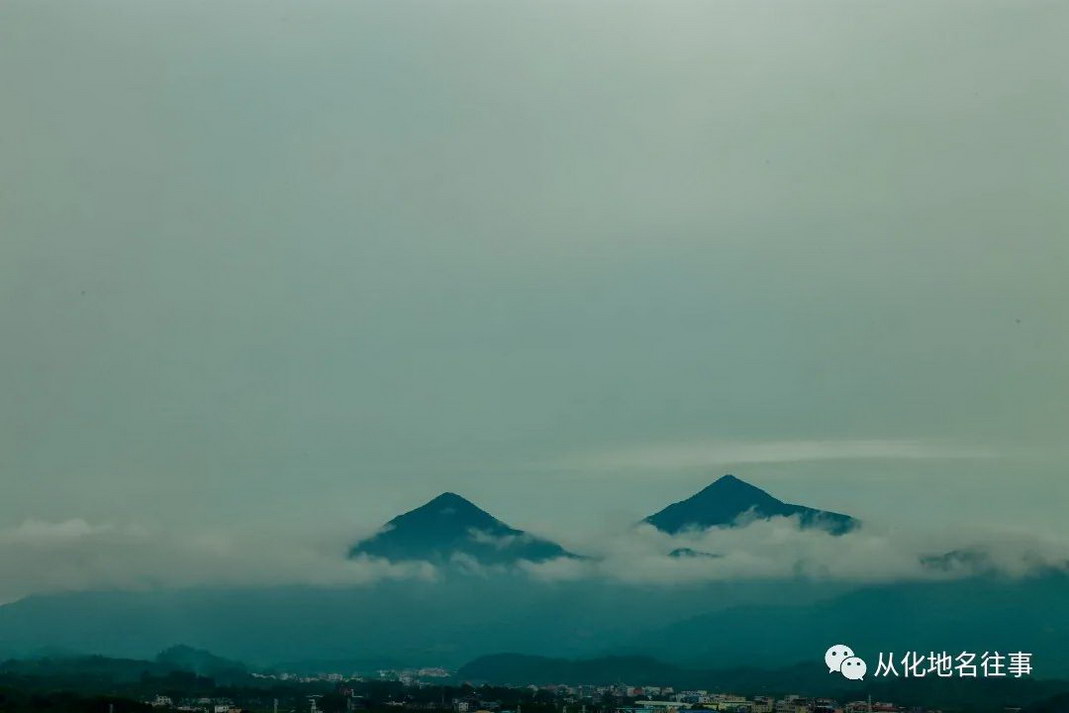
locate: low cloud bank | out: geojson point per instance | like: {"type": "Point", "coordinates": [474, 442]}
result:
{"type": "Point", "coordinates": [44, 557]}
{"type": "Point", "coordinates": [39, 557]}
{"type": "Point", "coordinates": [780, 548]}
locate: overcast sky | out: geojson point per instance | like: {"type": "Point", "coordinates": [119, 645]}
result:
{"type": "Point", "coordinates": [292, 268]}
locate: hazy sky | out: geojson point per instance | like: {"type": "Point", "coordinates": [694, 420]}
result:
{"type": "Point", "coordinates": [291, 268]}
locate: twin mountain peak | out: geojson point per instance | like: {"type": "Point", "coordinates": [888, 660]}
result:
{"type": "Point", "coordinates": [451, 528]}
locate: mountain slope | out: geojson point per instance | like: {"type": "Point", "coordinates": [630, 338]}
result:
{"type": "Point", "coordinates": [976, 614]}
{"type": "Point", "coordinates": [200, 662]}
{"type": "Point", "coordinates": [454, 619]}
{"type": "Point", "coordinates": [76, 671]}
{"type": "Point", "coordinates": [449, 527]}
{"type": "Point", "coordinates": [414, 622]}
{"type": "Point", "coordinates": [728, 501]}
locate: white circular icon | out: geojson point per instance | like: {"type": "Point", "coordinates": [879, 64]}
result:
{"type": "Point", "coordinates": [853, 668]}
{"type": "Point", "coordinates": [835, 656]}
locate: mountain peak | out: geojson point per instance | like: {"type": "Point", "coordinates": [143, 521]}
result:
{"type": "Point", "coordinates": [724, 501]}
{"type": "Point", "coordinates": [449, 496]}
{"type": "Point", "coordinates": [451, 500]}
{"type": "Point", "coordinates": [450, 525]}
{"type": "Point", "coordinates": [730, 482]}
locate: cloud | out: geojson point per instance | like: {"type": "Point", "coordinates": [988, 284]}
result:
{"type": "Point", "coordinates": [709, 453]}
{"type": "Point", "coordinates": [778, 548]}
{"type": "Point", "coordinates": [78, 555]}
{"type": "Point", "coordinates": [501, 542]}
{"type": "Point", "coordinates": [75, 554]}
{"type": "Point", "coordinates": [40, 532]}
{"type": "Point", "coordinates": [350, 283]}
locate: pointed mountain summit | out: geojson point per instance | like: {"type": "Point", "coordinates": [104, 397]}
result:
{"type": "Point", "coordinates": [728, 499]}
{"type": "Point", "coordinates": [450, 525]}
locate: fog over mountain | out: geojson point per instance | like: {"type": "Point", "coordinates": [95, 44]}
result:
{"type": "Point", "coordinates": [273, 274]}
{"type": "Point", "coordinates": [282, 269]}
{"type": "Point", "coordinates": [449, 532]}
{"type": "Point", "coordinates": [467, 585]}
{"type": "Point", "coordinates": [458, 617]}
{"type": "Point", "coordinates": [730, 502]}
{"type": "Point", "coordinates": [450, 527]}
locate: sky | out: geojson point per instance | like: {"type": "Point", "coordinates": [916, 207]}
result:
{"type": "Point", "coordinates": [276, 272]}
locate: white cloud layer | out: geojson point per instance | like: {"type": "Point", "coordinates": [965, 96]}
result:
{"type": "Point", "coordinates": [78, 555]}
{"type": "Point", "coordinates": [779, 548]}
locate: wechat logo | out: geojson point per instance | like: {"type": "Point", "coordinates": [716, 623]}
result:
{"type": "Point", "coordinates": [840, 658]}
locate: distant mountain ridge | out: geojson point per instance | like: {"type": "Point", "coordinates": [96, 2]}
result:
{"type": "Point", "coordinates": [78, 668]}
{"type": "Point", "coordinates": [454, 619]}
{"type": "Point", "coordinates": [451, 527]}
{"type": "Point", "coordinates": [728, 501]}
{"type": "Point", "coordinates": [199, 661]}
